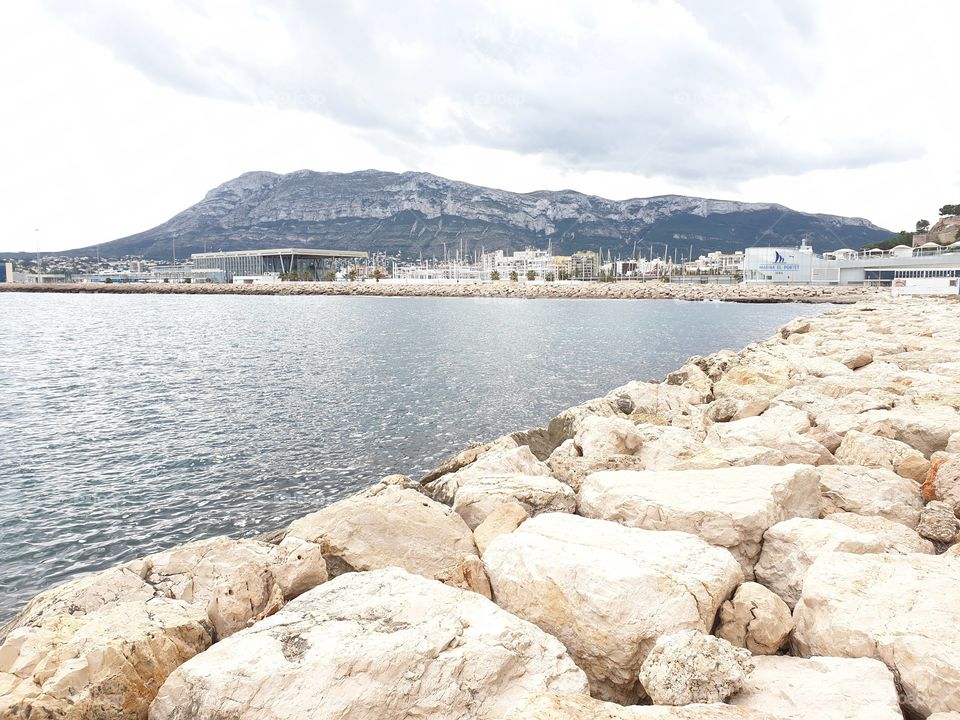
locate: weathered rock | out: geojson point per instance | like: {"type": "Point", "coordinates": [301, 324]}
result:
{"type": "Point", "coordinates": [584, 707]}
{"type": "Point", "coordinates": [663, 446]}
{"type": "Point", "coordinates": [826, 437]}
{"type": "Point", "coordinates": [870, 491]}
{"type": "Point", "coordinates": [901, 609]}
{"type": "Point", "coordinates": [383, 644]}
{"type": "Point", "coordinates": [937, 522]}
{"type": "Point", "coordinates": [855, 359]}
{"type": "Point", "coordinates": [607, 591]}
{"type": "Point", "coordinates": [762, 432]}
{"type": "Point", "coordinates": [729, 507]}
{"type": "Point", "coordinates": [943, 480]}
{"type": "Point", "coordinates": [660, 400]}
{"type": "Point", "coordinates": [479, 496]}
{"type": "Point", "coordinates": [504, 519]}
{"type": "Point", "coordinates": [730, 408]}
{"type": "Point", "coordinates": [756, 619]}
{"type": "Point", "coordinates": [821, 687]}
{"type": "Point", "coordinates": [573, 470]}
{"type": "Point", "coordinates": [713, 458]}
{"type": "Point", "coordinates": [790, 547]}
{"type": "Point", "coordinates": [691, 667]}
{"type": "Point", "coordinates": [567, 424]}
{"type": "Point", "coordinates": [497, 461]}
{"type": "Point", "coordinates": [945, 716]}
{"type": "Point", "coordinates": [605, 436]}
{"type": "Point", "coordinates": [458, 461]}
{"type": "Point", "coordinates": [392, 526]}
{"type": "Point", "coordinates": [800, 325]}
{"type": "Point", "coordinates": [859, 448]}
{"type": "Point", "coordinates": [692, 377]}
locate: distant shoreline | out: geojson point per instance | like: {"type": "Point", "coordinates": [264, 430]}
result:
{"type": "Point", "coordinates": [585, 290]}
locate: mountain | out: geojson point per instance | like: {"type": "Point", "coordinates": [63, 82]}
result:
{"type": "Point", "coordinates": [413, 213]}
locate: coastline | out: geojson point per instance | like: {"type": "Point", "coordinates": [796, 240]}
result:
{"type": "Point", "coordinates": [582, 290]}
{"type": "Point", "coordinates": [871, 389]}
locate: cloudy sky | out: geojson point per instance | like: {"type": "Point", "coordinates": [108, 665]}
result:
{"type": "Point", "coordinates": [116, 114]}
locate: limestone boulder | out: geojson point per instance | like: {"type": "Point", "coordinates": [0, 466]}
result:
{"type": "Point", "coordinates": [605, 436]}
{"type": "Point", "coordinates": [728, 507]}
{"type": "Point", "coordinates": [669, 403]}
{"type": "Point", "coordinates": [393, 526]}
{"type": "Point", "coordinates": [465, 457]}
{"type": "Point", "coordinates": [874, 451]}
{"type": "Point", "coordinates": [755, 618]}
{"type": "Point", "coordinates": [901, 609]}
{"type": "Point", "coordinates": [608, 591]}
{"type": "Point", "coordinates": [567, 424]}
{"type": "Point", "coordinates": [870, 491]}
{"type": "Point", "coordinates": [573, 470]}
{"type": "Point", "coordinates": [820, 687]}
{"type": "Point", "coordinates": [790, 547]}
{"type": "Point", "coordinates": [926, 430]}
{"type": "Point", "coordinates": [496, 461]}
{"type": "Point", "coordinates": [730, 408]}
{"type": "Point", "coordinates": [713, 458]}
{"type": "Point", "coordinates": [506, 518]}
{"type": "Point", "coordinates": [762, 432]}
{"type": "Point", "coordinates": [938, 522]}
{"type": "Point", "coordinates": [583, 707]}
{"type": "Point", "coordinates": [943, 480]}
{"type": "Point", "coordinates": [663, 446]}
{"type": "Point", "coordinates": [382, 644]}
{"type": "Point", "coordinates": [855, 358]}
{"type": "Point", "coordinates": [690, 667]}
{"type": "Point", "coordinates": [479, 496]}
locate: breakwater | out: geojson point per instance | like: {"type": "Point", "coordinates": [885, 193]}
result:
{"type": "Point", "coordinates": [662, 543]}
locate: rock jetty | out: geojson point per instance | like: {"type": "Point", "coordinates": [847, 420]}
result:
{"type": "Point", "coordinates": [653, 290]}
{"type": "Point", "coordinates": [766, 534]}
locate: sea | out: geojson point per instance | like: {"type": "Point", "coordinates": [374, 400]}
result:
{"type": "Point", "coordinates": [130, 423]}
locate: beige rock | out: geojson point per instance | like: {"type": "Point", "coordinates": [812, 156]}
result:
{"type": "Point", "coordinates": [791, 546]}
{"type": "Point", "coordinates": [661, 400]}
{"type": "Point", "coordinates": [943, 480]}
{"type": "Point", "coordinates": [465, 457]}
{"type": "Point", "coordinates": [690, 667]}
{"type": "Point", "coordinates": [945, 716]}
{"type": "Point", "coordinates": [383, 645]}
{"type": "Point", "coordinates": [901, 609]}
{"type": "Point", "coordinates": [692, 377]}
{"type": "Point", "coordinates": [855, 359]}
{"type": "Point", "coordinates": [504, 519]}
{"type": "Point", "coordinates": [728, 507]}
{"type": "Point", "coordinates": [583, 707]}
{"type": "Point", "coordinates": [567, 424]}
{"type": "Point", "coordinates": [756, 619]}
{"type": "Point", "coordinates": [763, 432]}
{"type": "Point", "coordinates": [822, 687]}
{"type": "Point", "coordinates": [938, 523]}
{"type": "Point", "coordinates": [859, 448]}
{"type": "Point", "coordinates": [663, 446]}
{"type": "Point", "coordinates": [496, 461]}
{"type": "Point", "coordinates": [731, 408]}
{"type": "Point", "coordinates": [573, 470]}
{"type": "Point", "coordinates": [605, 436]}
{"type": "Point", "coordinates": [607, 591]}
{"type": "Point", "coordinates": [829, 439]}
{"type": "Point", "coordinates": [479, 496]}
{"type": "Point", "coordinates": [870, 491]}
{"type": "Point", "coordinates": [713, 458]}
{"type": "Point", "coordinates": [393, 526]}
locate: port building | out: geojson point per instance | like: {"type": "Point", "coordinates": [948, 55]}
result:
{"type": "Point", "coordinates": [305, 262]}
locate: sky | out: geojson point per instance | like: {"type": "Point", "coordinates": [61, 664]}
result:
{"type": "Point", "coordinates": [117, 115]}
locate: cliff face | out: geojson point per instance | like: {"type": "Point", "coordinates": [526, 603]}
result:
{"type": "Point", "coordinates": [410, 213]}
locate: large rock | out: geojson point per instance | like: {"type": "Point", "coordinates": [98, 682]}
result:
{"type": "Point", "coordinates": [943, 480]}
{"type": "Point", "coordinates": [823, 687]}
{"type": "Point", "coordinates": [713, 458]}
{"type": "Point", "coordinates": [382, 645]}
{"type": "Point", "coordinates": [608, 591]}
{"type": "Point", "coordinates": [583, 707]}
{"type": "Point", "coordinates": [901, 609]}
{"type": "Point", "coordinates": [663, 446]}
{"type": "Point", "coordinates": [393, 526]}
{"type": "Point", "coordinates": [763, 431]}
{"type": "Point", "coordinates": [479, 496]}
{"type": "Point", "coordinates": [755, 618]}
{"type": "Point", "coordinates": [791, 546]}
{"type": "Point", "coordinates": [567, 424]}
{"type": "Point", "coordinates": [938, 522]}
{"type": "Point", "coordinates": [504, 519]}
{"type": "Point", "coordinates": [689, 667]}
{"type": "Point", "coordinates": [874, 451]}
{"type": "Point", "coordinates": [729, 507]}
{"type": "Point", "coordinates": [605, 436]}
{"type": "Point", "coordinates": [870, 491]}
{"type": "Point", "coordinates": [668, 403]}
{"type": "Point", "coordinates": [495, 461]}
{"type": "Point", "coordinates": [572, 469]}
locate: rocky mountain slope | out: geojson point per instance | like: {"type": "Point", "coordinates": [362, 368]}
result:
{"type": "Point", "coordinates": [413, 213]}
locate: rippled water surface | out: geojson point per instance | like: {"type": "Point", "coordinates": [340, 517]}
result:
{"type": "Point", "coordinates": [131, 423]}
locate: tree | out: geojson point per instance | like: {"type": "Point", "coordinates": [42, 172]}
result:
{"type": "Point", "coordinates": [563, 274]}
{"type": "Point", "coordinates": [513, 276]}
{"type": "Point", "coordinates": [352, 275]}
{"type": "Point", "coordinates": [495, 276]}
{"type": "Point", "coordinates": [531, 275]}
{"type": "Point", "coordinates": [923, 226]}
{"type": "Point", "coordinates": [950, 210]}
{"type": "Point", "coordinates": [549, 277]}
{"type": "Point", "coordinates": [329, 276]}
{"type": "Point", "coordinates": [378, 274]}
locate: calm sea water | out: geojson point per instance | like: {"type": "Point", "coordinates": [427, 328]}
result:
{"type": "Point", "coordinates": [131, 423]}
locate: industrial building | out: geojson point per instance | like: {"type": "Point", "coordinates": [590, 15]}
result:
{"type": "Point", "coordinates": [306, 263]}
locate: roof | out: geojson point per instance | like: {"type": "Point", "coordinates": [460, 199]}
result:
{"type": "Point", "coordinates": [303, 252]}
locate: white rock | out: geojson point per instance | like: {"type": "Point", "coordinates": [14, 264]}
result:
{"type": "Point", "coordinates": [859, 448]}
{"type": "Point", "coordinates": [667, 402]}
{"type": "Point", "coordinates": [756, 619]}
{"type": "Point", "coordinates": [943, 480]}
{"type": "Point", "coordinates": [729, 507]}
{"type": "Point", "coordinates": [496, 461]}
{"type": "Point", "coordinates": [604, 436]}
{"type": "Point", "coordinates": [901, 609]}
{"type": "Point", "coordinates": [791, 546]}
{"type": "Point", "coordinates": [393, 526]}
{"type": "Point", "coordinates": [504, 519]}
{"type": "Point", "coordinates": [607, 591]}
{"type": "Point", "coordinates": [691, 667]}
{"type": "Point", "coordinates": [378, 645]}
{"type": "Point", "coordinates": [583, 707]}
{"type": "Point", "coordinates": [713, 458]}
{"type": "Point", "coordinates": [763, 432]}
{"type": "Point", "coordinates": [573, 470]}
{"type": "Point", "coordinates": [479, 496]}
{"type": "Point", "coordinates": [870, 491]}
{"type": "Point", "coordinates": [663, 446]}
{"type": "Point", "coordinates": [937, 522]}
{"type": "Point", "coordinates": [822, 687]}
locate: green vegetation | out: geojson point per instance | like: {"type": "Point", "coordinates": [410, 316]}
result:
{"type": "Point", "coordinates": [378, 274]}
{"type": "Point", "coordinates": [531, 275]}
{"type": "Point", "coordinates": [903, 238]}
{"type": "Point", "coordinates": [548, 277]}
{"type": "Point", "coordinates": [352, 275]}
{"type": "Point", "coordinates": [950, 210]}
{"type": "Point", "coordinates": [495, 276]}
{"type": "Point", "coordinates": [513, 276]}
{"type": "Point", "coordinates": [329, 276]}
{"type": "Point", "coordinates": [923, 226]}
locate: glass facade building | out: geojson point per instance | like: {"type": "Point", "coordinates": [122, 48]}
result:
{"type": "Point", "coordinates": [306, 263]}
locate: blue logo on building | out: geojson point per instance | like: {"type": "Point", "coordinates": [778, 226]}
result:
{"type": "Point", "coordinates": [778, 258]}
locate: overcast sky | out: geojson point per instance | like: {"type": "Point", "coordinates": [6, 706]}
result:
{"type": "Point", "coordinates": [117, 114]}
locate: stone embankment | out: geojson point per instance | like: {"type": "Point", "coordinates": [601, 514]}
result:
{"type": "Point", "coordinates": [766, 534]}
{"type": "Point", "coordinates": [654, 290]}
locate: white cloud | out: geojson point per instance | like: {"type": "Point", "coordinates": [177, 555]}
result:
{"type": "Point", "coordinates": [119, 115]}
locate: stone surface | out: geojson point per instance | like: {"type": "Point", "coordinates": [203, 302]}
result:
{"type": "Point", "coordinates": [573, 470]}
{"type": "Point", "coordinates": [901, 609]}
{"type": "Point", "coordinates": [663, 401]}
{"type": "Point", "coordinates": [713, 458]}
{"type": "Point", "coordinates": [392, 526]}
{"type": "Point", "coordinates": [859, 448]}
{"type": "Point", "coordinates": [495, 461]}
{"type": "Point", "coordinates": [943, 480]}
{"type": "Point", "coordinates": [382, 645]}
{"type": "Point", "coordinates": [755, 618]}
{"type": "Point", "coordinates": [608, 591]}
{"type": "Point", "coordinates": [791, 546]}
{"type": "Point", "coordinates": [605, 436]}
{"type": "Point", "coordinates": [506, 518]}
{"type": "Point", "coordinates": [479, 496]}
{"type": "Point", "coordinates": [823, 687]}
{"type": "Point", "coordinates": [691, 667]}
{"type": "Point", "coordinates": [937, 522]}
{"type": "Point", "coordinates": [760, 431]}
{"type": "Point", "coordinates": [728, 507]}
{"type": "Point", "coordinates": [870, 491]}
{"type": "Point", "coordinates": [583, 707]}
{"type": "Point", "coordinates": [663, 446]}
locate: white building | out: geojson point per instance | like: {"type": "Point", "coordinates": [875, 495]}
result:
{"type": "Point", "coordinates": [521, 262]}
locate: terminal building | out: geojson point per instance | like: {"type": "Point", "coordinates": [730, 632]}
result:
{"type": "Point", "coordinates": [305, 262]}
